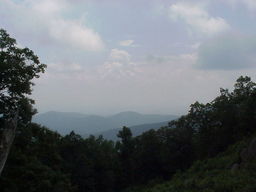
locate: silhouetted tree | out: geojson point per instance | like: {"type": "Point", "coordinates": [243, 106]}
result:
{"type": "Point", "coordinates": [125, 148]}
{"type": "Point", "coordinates": [18, 66]}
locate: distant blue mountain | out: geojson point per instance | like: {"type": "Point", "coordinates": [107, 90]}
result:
{"type": "Point", "coordinates": [65, 122]}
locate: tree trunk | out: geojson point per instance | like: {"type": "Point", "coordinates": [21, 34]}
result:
{"type": "Point", "coordinates": [6, 140]}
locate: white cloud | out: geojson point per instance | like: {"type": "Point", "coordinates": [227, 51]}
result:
{"type": "Point", "coordinates": [47, 6]}
{"type": "Point", "coordinates": [45, 21]}
{"type": "Point", "coordinates": [118, 65]}
{"type": "Point", "coordinates": [75, 34]}
{"type": "Point", "coordinates": [197, 18]}
{"type": "Point", "coordinates": [120, 55]}
{"type": "Point", "coordinates": [126, 43]}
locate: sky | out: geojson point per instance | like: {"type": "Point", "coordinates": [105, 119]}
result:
{"type": "Point", "coordinates": [148, 56]}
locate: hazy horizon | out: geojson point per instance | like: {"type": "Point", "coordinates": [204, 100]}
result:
{"type": "Point", "coordinates": [104, 114]}
{"type": "Point", "coordinates": [151, 57]}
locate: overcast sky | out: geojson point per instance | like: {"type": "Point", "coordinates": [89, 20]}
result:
{"type": "Point", "coordinates": [149, 56]}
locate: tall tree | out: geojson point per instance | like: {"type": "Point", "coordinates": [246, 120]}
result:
{"type": "Point", "coordinates": [18, 66]}
{"type": "Point", "coordinates": [125, 148]}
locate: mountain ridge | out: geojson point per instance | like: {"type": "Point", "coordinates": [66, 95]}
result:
{"type": "Point", "coordinates": [84, 124]}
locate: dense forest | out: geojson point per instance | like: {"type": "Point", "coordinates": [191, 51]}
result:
{"type": "Point", "coordinates": [42, 160]}
{"type": "Point", "coordinates": [196, 152]}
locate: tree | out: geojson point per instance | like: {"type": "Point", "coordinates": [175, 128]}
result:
{"type": "Point", "coordinates": [18, 67]}
{"type": "Point", "coordinates": [35, 162]}
{"type": "Point", "coordinates": [125, 149]}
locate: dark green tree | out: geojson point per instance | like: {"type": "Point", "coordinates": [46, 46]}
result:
{"type": "Point", "coordinates": [125, 148]}
{"type": "Point", "coordinates": [35, 163]}
{"type": "Point", "coordinates": [18, 66]}
{"type": "Point", "coordinates": [92, 162]}
{"type": "Point", "coordinates": [148, 156]}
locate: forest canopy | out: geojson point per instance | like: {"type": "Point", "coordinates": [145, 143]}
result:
{"type": "Point", "coordinates": [42, 160]}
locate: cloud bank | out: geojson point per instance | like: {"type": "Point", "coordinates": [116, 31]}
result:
{"type": "Point", "coordinates": [118, 65]}
{"type": "Point", "coordinates": [228, 52]}
{"type": "Point", "coordinates": [45, 21]}
{"type": "Point", "coordinates": [197, 18]}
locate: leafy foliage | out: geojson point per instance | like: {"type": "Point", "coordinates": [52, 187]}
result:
{"type": "Point", "coordinates": [18, 66]}
{"type": "Point", "coordinates": [35, 163]}
{"type": "Point", "coordinates": [210, 175]}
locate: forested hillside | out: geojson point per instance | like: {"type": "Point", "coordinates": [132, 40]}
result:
{"type": "Point", "coordinates": [200, 151]}
{"type": "Point", "coordinates": [232, 170]}
{"type": "Point", "coordinates": [136, 130]}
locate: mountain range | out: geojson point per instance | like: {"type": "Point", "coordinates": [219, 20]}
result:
{"type": "Point", "coordinates": [65, 122]}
